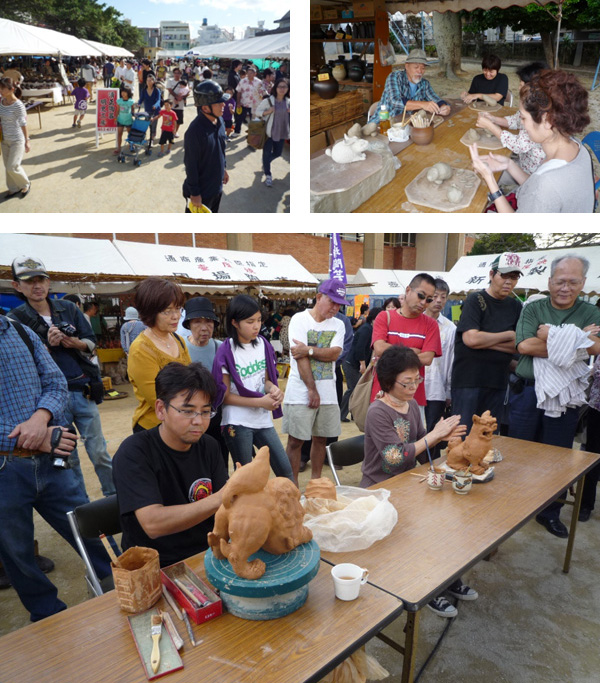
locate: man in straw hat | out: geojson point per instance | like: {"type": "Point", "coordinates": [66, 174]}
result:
{"type": "Point", "coordinates": [408, 90]}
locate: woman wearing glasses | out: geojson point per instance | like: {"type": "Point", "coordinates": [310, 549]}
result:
{"type": "Point", "coordinates": [246, 374]}
{"type": "Point", "coordinates": [395, 438]}
{"type": "Point", "coordinates": [159, 303]}
{"type": "Point", "coordinates": [407, 326]}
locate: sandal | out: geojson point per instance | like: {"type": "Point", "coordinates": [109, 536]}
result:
{"type": "Point", "coordinates": [116, 151]}
{"type": "Point", "coordinates": [25, 192]}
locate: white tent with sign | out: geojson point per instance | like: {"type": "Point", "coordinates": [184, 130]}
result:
{"type": "Point", "coordinates": [23, 39]}
{"type": "Point", "coordinates": [472, 272]}
{"type": "Point", "coordinates": [262, 47]}
{"type": "Point", "coordinates": [109, 50]}
{"type": "Point", "coordinates": [378, 282]}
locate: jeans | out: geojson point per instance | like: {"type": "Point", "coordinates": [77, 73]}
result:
{"type": "Point", "coordinates": [271, 150]}
{"type": "Point", "coordinates": [434, 411]}
{"type": "Point", "coordinates": [352, 377]}
{"type": "Point", "coordinates": [528, 422]}
{"type": "Point", "coordinates": [240, 441]}
{"type": "Point", "coordinates": [84, 414]}
{"type": "Point", "coordinates": [469, 401]}
{"type": "Point", "coordinates": [33, 483]}
{"type": "Point", "coordinates": [592, 445]}
{"type": "Point", "coordinates": [241, 118]}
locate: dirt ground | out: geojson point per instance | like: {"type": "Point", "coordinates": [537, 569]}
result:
{"type": "Point", "coordinates": [70, 175]}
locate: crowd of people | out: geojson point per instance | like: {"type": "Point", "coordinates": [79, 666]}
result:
{"type": "Point", "coordinates": [551, 170]}
{"type": "Point", "coordinates": [164, 91]}
{"type": "Point", "coordinates": [203, 400]}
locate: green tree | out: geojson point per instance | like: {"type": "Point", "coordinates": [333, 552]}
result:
{"type": "Point", "coordinates": [557, 240]}
{"type": "Point", "coordinates": [496, 243]}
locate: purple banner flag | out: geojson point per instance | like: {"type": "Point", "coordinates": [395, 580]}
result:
{"type": "Point", "coordinates": [337, 268]}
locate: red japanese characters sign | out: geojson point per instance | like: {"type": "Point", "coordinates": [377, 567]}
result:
{"type": "Point", "coordinates": [107, 110]}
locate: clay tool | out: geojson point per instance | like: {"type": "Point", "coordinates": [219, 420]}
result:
{"type": "Point", "coordinates": [111, 553]}
{"type": "Point", "coordinates": [421, 477]}
{"type": "Point", "coordinates": [156, 633]}
{"type": "Point", "coordinates": [186, 621]}
{"type": "Point", "coordinates": [173, 632]}
{"type": "Point", "coordinates": [403, 113]}
{"type": "Point", "coordinates": [196, 591]}
{"type": "Point", "coordinates": [171, 600]}
{"type": "Point", "coordinates": [431, 119]}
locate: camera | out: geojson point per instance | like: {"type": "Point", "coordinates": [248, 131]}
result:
{"type": "Point", "coordinates": [67, 328]}
{"type": "Point", "coordinates": [60, 462]}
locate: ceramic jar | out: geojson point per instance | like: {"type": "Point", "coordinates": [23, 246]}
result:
{"type": "Point", "coordinates": [422, 136]}
{"type": "Point", "coordinates": [325, 85]}
{"type": "Point", "coordinates": [339, 71]}
{"type": "Point", "coordinates": [356, 70]}
{"type": "Point", "coordinates": [462, 482]}
{"type": "Point", "coordinates": [369, 73]}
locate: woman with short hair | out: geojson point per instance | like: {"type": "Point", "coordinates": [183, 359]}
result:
{"type": "Point", "coordinates": [491, 82]}
{"type": "Point", "coordinates": [554, 106]}
{"type": "Point", "coordinates": [159, 303]}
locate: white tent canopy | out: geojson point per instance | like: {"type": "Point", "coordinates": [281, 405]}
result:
{"type": "Point", "coordinates": [387, 282]}
{"type": "Point", "coordinates": [109, 50]}
{"type": "Point", "coordinates": [23, 39]}
{"type": "Point", "coordinates": [472, 272]}
{"type": "Point", "coordinates": [273, 45]}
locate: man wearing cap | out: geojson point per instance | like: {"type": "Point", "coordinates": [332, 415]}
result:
{"type": "Point", "coordinates": [204, 149]}
{"type": "Point", "coordinates": [539, 336]}
{"type": "Point", "coordinates": [485, 343]}
{"type": "Point", "coordinates": [310, 405]}
{"type": "Point", "coordinates": [130, 328]}
{"type": "Point", "coordinates": [408, 90]}
{"type": "Point", "coordinates": [69, 337]}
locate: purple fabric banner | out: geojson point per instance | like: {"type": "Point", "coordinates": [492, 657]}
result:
{"type": "Point", "coordinates": [337, 268]}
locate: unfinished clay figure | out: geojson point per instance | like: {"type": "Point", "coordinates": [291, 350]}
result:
{"type": "Point", "coordinates": [473, 135]}
{"type": "Point", "coordinates": [472, 451]}
{"type": "Point", "coordinates": [454, 194]}
{"type": "Point", "coordinates": [257, 512]}
{"type": "Point", "coordinates": [489, 100]}
{"type": "Point", "coordinates": [321, 488]}
{"type": "Point", "coordinates": [348, 150]}
{"type": "Point", "coordinates": [439, 172]}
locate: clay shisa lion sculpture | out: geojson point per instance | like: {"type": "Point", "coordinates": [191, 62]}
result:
{"type": "Point", "coordinates": [348, 150]}
{"type": "Point", "coordinates": [471, 452]}
{"type": "Point", "coordinates": [257, 512]}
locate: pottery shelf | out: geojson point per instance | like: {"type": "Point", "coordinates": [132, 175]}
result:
{"type": "Point", "coordinates": [342, 40]}
{"type": "Point", "coordinates": [357, 84]}
{"type": "Point", "coordinates": [328, 22]}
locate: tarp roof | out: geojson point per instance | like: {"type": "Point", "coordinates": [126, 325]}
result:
{"type": "Point", "coordinates": [472, 272]}
{"type": "Point", "coordinates": [415, 6]}
{"type": "Point", "coordinates": [23, 39]}
{"type": "Point", "coordinates": [387, 282]}
{"type": "Point", "coordinates": [274, 45]}
{"type": "Point", "coordinates": [109, 50]}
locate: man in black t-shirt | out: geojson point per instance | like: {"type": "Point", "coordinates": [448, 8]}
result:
{"type": "Point", "coordinates": [485, 343]}
{"type": "Point", "coordinates": [169, 478]}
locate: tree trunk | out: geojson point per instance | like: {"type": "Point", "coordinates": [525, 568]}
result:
{"type": "Point", "coordinates": [447, 32]}
{"type": "Point", "coordinates": [549, 45]}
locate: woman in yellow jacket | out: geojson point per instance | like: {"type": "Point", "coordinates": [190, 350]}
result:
{"type": "Point", "coordinates": [159, 303]}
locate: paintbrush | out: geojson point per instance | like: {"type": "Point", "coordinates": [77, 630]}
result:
{"type": "Point", "coordinates": [187, 592]}
{"type": "Point", "coordinates": [204, 601]}
{"type": "Point", "coordinates": [109, 550]}
{"type": "Point", "coordinates": [186, 621]}
{"type": "Point", "coordinates": [156, 633]}
{"type": "Point", "coordinates": [173, 632]}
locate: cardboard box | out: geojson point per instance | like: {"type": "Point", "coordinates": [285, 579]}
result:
{"type": "Point", "coordinates": [198, 614]}
{"type": "Point", "coordinates": [316, 12]}
{"type": "Point", "coordinates": [330, 13]}
{"type": "Point", "coordinates": [364, 9]}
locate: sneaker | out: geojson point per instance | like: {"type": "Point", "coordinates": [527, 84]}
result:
{"type": "Point", "coordinates": [269, 181]}
{"type": "Point", "coordinates": [443, 608]}
{"type": "Point", "coordinates": [74, 125]}
{"type": "Point", "coordinates": [78, 124]}
{"type": "Point", "coordinates": [462, 592]}
{"type": "Point", "coordinates": [44, 563]}
{"type": "Point", "coordinates": [584, 514]}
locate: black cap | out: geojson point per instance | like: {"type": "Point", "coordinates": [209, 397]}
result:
{"type": "Point", "coordinates": [209, 92]}
{"type": "Point", "coordinates": [198, 307]}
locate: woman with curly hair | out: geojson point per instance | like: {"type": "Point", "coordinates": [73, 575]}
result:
{"type": "Point", "coordinates": [554, 106]}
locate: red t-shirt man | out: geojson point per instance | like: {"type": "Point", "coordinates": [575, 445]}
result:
{"type": "Point", "coordinates": [420, 332]}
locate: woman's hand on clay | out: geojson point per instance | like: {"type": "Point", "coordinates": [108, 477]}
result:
{"type": "Point", "coordinates": [447, 426]}
{"type": "Point", "coordinates": [483, 121]}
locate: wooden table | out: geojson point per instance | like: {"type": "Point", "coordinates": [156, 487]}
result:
{"type": "Point", "coordinates": [439, 534]}
{"type": "Point", "coordinates": [446, 146]}
{"type": "Point", "coordinates": [92, 642]}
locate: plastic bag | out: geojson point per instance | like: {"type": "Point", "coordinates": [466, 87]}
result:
{"type": "Point", "coordinates": [387, 56]}
{"type": "Point", "coordinates": [368, 516]}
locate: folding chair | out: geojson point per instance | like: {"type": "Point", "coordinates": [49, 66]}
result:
{"type": "Point", "coordinates": [346, 452]}
{"type": "Point", "coordinates": [89, 521]}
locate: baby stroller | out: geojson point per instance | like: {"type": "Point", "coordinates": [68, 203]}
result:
{"type": "Point", "coordinates": [136, 139]}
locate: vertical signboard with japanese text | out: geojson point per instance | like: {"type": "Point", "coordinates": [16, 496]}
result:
{"type": "Point", "coordinates": [107, 111]}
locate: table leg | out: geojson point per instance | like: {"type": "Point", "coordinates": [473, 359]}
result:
{"type": "Point", "coordinates": [410, 646]}
{"type": "Point", "coordinates": [574, 518]}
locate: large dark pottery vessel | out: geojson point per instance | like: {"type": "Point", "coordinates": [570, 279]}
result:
{"type": "Point", "coordinates": [369, 74]}
{"type": "Point", "coordinates": [328, 88]}
{"type": "Point", "coordinates": [355, 69]}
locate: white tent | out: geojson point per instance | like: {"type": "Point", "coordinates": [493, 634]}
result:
{"type": "Point", "coordinates": [472, 272]}
{"type": "Point", "coordinates": [387, 282]}
{"type": "Point", "coordinates": [109, 50]}
{"type": "Point", "coordinates": [273, 45]}
{"type": "Point", "coordinates": [23, 39]}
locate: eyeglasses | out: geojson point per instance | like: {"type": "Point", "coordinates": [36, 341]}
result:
{"type": "Point", "coordinates": [424, 297]}
{"type": "Point", "coordinates": [172, 312]}
{"type": "Point", "coordinates": [411, 385]}
{"type": "Point", "coordinates": [192, 414]}
{"type": "Point", "coordinates": [571, 284]}
{"type": "Point", "coordinates": [509, 276]}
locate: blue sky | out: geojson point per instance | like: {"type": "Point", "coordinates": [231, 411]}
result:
{"type": "Point", "coordinates": [232, 15]}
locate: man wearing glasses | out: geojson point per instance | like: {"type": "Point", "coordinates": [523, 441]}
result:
{"type": "Point", "coordinates": [169, 478]}
{"type": "Point", "coordinates": [535, 336]}
{"type": "Point", "coordinates": [408, 326]}
{"type": "Point", "coordinates": [485, 343]}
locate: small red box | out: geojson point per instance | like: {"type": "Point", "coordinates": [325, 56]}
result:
{"type": "Point", "coordinates": [198, 614]}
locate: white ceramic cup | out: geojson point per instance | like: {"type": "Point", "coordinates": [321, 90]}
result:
{"type": "Point", "coordinates": [347, 580]}
{"type": "Point", "coordinates": [435, 480]}
{"type": "Point", "coordinates": [462, 482]}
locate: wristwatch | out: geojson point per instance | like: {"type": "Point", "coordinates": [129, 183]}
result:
{"type": "Point", "coordinates": [493, 196]}
{"type": "Point", "coordinates": [311, 351]}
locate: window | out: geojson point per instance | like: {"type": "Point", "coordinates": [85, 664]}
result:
{"type": "Point", "coordinates": [399, 239]}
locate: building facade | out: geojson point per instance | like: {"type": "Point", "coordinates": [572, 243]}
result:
{"type": "Point", "coordinates": [174, 35]}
